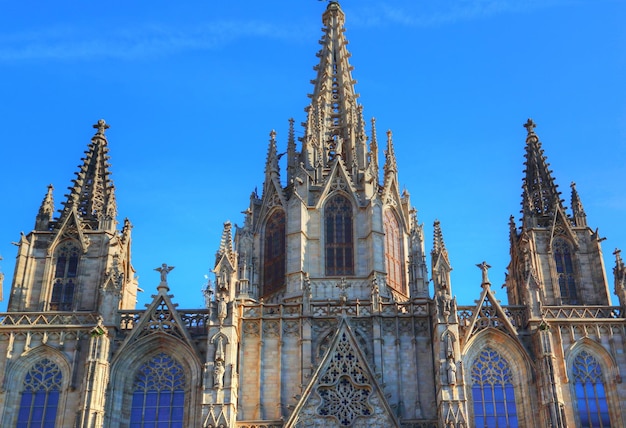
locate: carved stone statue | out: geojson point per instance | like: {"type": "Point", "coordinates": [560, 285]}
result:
{"type": "Point", "coordinates": [218, 375]}
{"type": "Point", "coordinates": [451, 371]}
{"type": "Point", "coordinates": [164, 270]}
{"type": "Point", "coordinates": [222, 310]}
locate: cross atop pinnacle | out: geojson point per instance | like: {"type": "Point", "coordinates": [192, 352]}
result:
{"type": "Point", "coordinates": [530, 126]}
{"type": "Point", "coordinates": [101, 126]}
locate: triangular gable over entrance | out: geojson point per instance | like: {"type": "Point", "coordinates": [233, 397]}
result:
{"type": "Point", "coordinates": [489, 313]}
{"type": "Point", "coordinates": [343, 392]}
{"type": "Point", "coordinates": [162, 317]}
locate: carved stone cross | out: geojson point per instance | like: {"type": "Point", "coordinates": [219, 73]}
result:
{"type": "Point", "coordinates": [530, 126]}
{"type": "Point", "coordinates": [101, 126]}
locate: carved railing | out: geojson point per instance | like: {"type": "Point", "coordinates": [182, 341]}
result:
{"type": "Point", "coordinates": [580, 312]}
{"type": "Point", "coordinates": [333, 309]}
{"type": "Point", "coordinates": [48, 319]}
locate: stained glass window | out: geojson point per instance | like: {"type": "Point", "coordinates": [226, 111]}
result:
{"type": "Point", "coordinates": [65, 274]}
{"type": "Point", "coordinates": [158, 394]}
{"type": "Point", "coordinates": [339, 240]}
{"type": "Point", "coordinates": [274, 265]}
{"type": "Point", "coordinates": [493, 393]}
{"type": "Point", "coordinates": [40, 398]}
{"type": "Point", "coordinates": [565, 272]}
{"type": "Point", "coordinates": [393, 252]}
{"type": "Point", "coordinates": [591, 400]}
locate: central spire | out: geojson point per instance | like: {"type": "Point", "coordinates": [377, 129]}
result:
{"type": "Point", "coordinates": [334, 126]}
{"type": "Point", "coordinates": [540, 198]}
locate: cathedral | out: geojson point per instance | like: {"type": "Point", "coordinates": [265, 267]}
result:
{"type": "Point", "coordinates": [325, 310]}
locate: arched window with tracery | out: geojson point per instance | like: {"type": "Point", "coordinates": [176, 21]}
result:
{"type": "Point", "coordinates": [591, 398]}
{"type": "Point", "coordinates": [274, 253]}
{"type": "Point", "coordinates": [339, 242]}
{"type": "Point", "coordinates": [39, 400]}
{"type": "Point", "coordinates": [394, 252]}
{"type": "Point", "coordinates": [565, 271]}
{"type": "Point", "coordinates": [493, 394]}
{"type": "Point", "coordinates": [158, 396]}
{"type": "Point", "coordinates": [65, 275]}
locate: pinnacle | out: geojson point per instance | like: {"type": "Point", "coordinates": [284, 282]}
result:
{"type": "Point", "coordinates": [46, 210]}
{"type": "Point", "coordinates": [540, 197]}
{"type": "Point", "coordinates": [438, 244]}
{"type": "Point", "coordinates": [92, 194]}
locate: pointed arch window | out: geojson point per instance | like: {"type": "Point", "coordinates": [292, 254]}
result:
{"type": "Point", "coordinates": [274, 254]}
{"type": "Point", "coordinates": [158, 398]}
{"type": "Point", "coordinates": [591, 398]}
{"type": "Point", "coordinates": [65, 274]}
{"type": "Point", "coordinates": [39, 401]}
{"type": "Point", "coordinates": [393, 252]}
{"type": "Point", "coordinates": [565, 271]}
{"type": "Point", "coordinates": [493, 393]}
{"type": "Point", "coordinates": [339, 247]}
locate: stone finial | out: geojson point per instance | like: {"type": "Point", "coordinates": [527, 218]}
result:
{"type": "Point", "coordinates": [101, 127]}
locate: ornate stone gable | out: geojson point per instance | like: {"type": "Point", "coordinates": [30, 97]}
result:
{"type": "Point", "coordinates": [343, 392]}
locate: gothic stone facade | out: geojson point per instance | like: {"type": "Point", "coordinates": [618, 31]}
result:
{"type": "Point", "coordinates": [321, 313]}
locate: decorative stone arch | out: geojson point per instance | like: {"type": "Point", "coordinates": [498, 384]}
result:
{"type": "Point", "coordinates": [610, 375]}
{"type": "Point", "coordinates": [522, 371]}
{"type": "Point", "coordinates": [274, 251]}
{"type": "Point", "coordinates": [338, 236]}
{"type": "Point", "coordinates": [128, 360]}
{"type": "Point", "coordinates": [14, 382]}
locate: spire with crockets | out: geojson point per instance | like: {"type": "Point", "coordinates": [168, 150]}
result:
{"type": "Point", "coordinates": [540, 197]}
{"type": "Point", "coordinates": [93, 195]}
{"type": "Point", "coordinates": [335, 127]}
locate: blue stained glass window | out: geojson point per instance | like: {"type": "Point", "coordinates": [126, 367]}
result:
{"type": "Point", "coordinates": [40, 398]}
{"type": "Point", "coordinates": [591, 400]}
{"type": "Point", "coordinates": [493, 393]}
{"type": "Point", "coordinates": [158, 394]}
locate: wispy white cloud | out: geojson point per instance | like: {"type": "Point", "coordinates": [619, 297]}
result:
{"type": "Point", "coordinates": [138, 42]}
{"type": "Point", "coordinates": [438, 12]}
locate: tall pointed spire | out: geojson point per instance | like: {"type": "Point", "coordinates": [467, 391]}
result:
{"type": "Point", "coordinates": [226, 243]}
{"type": "Point", "coordinates": [540, 196]}
{"type": "Point", "coordinates": [374, 151]}
{"type": "Point", "coordinates": [46, 210]}
{"type": "Point", "coordinates": [334, 121]}
{"type": "Point", "coordinates": [578, 212]}
{"type": "Point", "coordinates": [441, 267]}
{"type": "Point", "coordinates": [271, 165]}
{"type": "Point", "coordinates": [93, 193]}
{"type": "Point", "coordinates": [291, 153]}
{"type": "Point", "coordinates": [391, 165]}
{"type": "Point", "coordinates": [439, 247]}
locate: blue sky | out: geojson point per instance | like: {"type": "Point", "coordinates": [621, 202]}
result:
{"type": "Point", "coordinates": [192, 89]}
